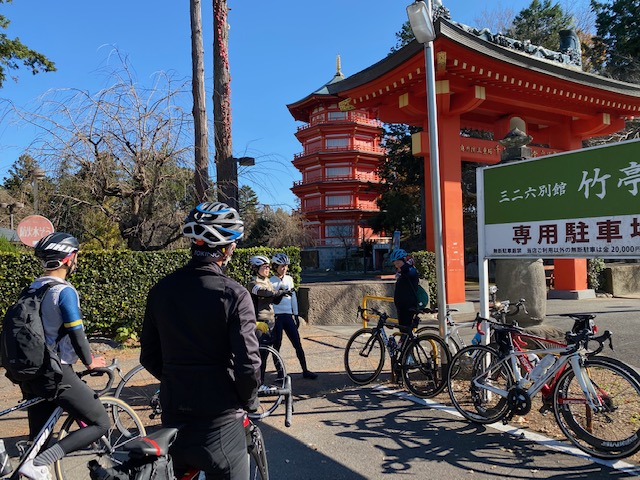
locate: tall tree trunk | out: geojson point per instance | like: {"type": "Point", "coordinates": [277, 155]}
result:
{"type": "Point", "coordinates": [226, 166]}
{"type": "Point", "coordinates": [201, 176]}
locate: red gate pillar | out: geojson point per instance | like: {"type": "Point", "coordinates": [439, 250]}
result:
{"type": "Point", "coordinates": [570, 274]}
{"type": "Point", "coordinates": [451, 191]}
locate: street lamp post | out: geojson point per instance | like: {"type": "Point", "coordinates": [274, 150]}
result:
{"type": "Point", "coordinates": [420, 18]}
{"type": "Point", "coordinates": [36, 175]}
{"type": "Point", "coordinates": [12, 207]}
{"type": "Point", "coordinates": [363, 223]}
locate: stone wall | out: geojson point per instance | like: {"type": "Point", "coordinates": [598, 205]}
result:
{"type": "Point", "coordinates": [336, 303]}
{"type": "Point", "coordinates": [622, 279]}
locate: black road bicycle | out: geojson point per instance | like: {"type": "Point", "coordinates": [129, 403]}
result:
{"type": "Point", "coordinates": [420, 362]}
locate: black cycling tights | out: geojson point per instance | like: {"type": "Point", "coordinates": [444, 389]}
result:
{"type": "Point", "coordinates": [79, 400]}
{"type": "Point", "coordinates": [285, 322]}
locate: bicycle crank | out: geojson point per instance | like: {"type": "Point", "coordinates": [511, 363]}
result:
{"type": "Point", "coordinates": [519, 401]}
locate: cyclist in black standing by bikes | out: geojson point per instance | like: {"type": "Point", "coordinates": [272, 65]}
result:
{"type": "Point", "coordinates": [404, 296]}
{"type": "Point", "coordinates": [199, 339]}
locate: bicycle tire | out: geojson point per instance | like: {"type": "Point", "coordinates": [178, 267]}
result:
{"type": "Point", "coordinates": [483, 364]}
{"type": "Point", "coordinates": [425, 363]}
{"type": "Point", "coordinates": [273, 378]}
{"type": "Point", "coordinates": [364, 356]}
{"type": "Point", "coordinates": [454, 346]}
{"type": "Point", "coordinates": [107, 451]}
{"type": "Point", "coordinates": [258, 464]}
{"type": "Point", "coordinates": [140, 390]}
{"type": "Point", "coordinates": [611, 434]}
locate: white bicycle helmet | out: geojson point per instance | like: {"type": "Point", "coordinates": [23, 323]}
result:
{"type": "Point", "coordinates": [280, 259]}
{"type": "Point", "coordinates": [257, 261]}
{"type": "Point", "coordinates": [213, 223]}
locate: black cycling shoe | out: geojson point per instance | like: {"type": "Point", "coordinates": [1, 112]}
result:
{"type": "Point", "coordinates": [309, 375]}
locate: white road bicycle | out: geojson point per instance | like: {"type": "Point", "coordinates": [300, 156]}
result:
{"type": "Point", "coordinates": [595, 399]}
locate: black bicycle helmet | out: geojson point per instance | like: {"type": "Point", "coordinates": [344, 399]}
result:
{"type": "Point", "coordinates": [53, 249]}
{"type": "Point", "coordinates": [213, 223]}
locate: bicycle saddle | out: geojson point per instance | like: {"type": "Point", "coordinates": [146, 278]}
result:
{"type": "Point", "coordinates": [155, 445]}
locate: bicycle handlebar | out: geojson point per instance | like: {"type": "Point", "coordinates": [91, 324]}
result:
{"type": "Point", "coordinates": [584, 337]}
{"type": "Point", "coordinates": [98, 372]}
{"type": "Point", "coordinates": [286, 392]}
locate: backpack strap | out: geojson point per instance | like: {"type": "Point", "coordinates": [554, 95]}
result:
{"type": "Point", "coordinates": [41, 291]}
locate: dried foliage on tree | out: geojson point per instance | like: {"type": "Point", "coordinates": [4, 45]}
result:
{"type": "Point", "coordinates": [121, 157]}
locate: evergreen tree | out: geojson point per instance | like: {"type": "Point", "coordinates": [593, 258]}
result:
{"type": "Point", "coordinates": [13, 52]}
{"type": "Point", "coordinates": [616, 50]}
{"type": "Point", "coordinates": [403, 178]}
{"type": "Point", "coordinates": [540, 23]}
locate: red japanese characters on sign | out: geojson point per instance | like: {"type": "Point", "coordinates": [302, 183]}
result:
{"type": "Point", "coordinates": [33, 228]}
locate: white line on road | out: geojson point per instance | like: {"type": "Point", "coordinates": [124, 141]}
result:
{"type": "Point", "coordinates": [519, 433]}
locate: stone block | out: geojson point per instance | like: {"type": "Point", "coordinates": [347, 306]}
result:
{"type": "Point", "coordinates": [622, 279]}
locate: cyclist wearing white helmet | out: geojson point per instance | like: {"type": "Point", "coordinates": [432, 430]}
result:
{"type": "Point", "coordinates": [199, 339]}
{"type": "Point", "coordinates": [264, 296]}
{"type": "Point", "coordinates": [287, 311]}
{"type": "Point", "coordinates": [407, 279]}
{"type": "Point", "coordinates": [262, 291]}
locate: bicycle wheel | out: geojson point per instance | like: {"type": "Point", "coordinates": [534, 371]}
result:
{"type": "Point", "coordinates": [258, 465]}
{"type": "Point", "coordinates": [425, 362]}
{"type": "Point", "coordinates": [140, 390]}
{"type": "Point", "coordinates": [108, 450]}
{"type": "Point", "coordinates": [470, 369]}
{"type": "Point", "coordinates": [613, 432]}
{"type": "Point", "coordinates": [275, 377]}
{"type": "Point", "coordinates": [364, 356]}
{"type": "Point", "coordinates": [454, 346]}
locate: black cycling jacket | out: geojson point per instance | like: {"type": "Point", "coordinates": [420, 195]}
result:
{"type": "Point", "coordinates": [199, 339]}
{"type": "Point", "coordinates": [404, 295]}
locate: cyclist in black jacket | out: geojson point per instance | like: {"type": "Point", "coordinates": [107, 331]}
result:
{"type": "Point", "coordinates": [199, 339]}
{"type": "Point", "coordinates": [407, 279]}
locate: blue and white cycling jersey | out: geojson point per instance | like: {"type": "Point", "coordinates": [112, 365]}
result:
{"type": "Point", "coordinates": [60, 307]}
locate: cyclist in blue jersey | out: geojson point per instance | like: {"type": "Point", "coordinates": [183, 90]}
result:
{"type": "Point", "coordinates": [63, 326]}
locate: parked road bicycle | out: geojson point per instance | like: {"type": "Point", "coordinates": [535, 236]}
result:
{"type": "Point", "coordinates": [108, 451]}
{"type": "Point", "coordinates": [418, 361]}
{"type": "Point", "coordinates": [143, 390]}
{"type": "Point", "coordinates": [595, 399]}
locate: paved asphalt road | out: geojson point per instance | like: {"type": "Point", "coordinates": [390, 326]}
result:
{"type": "Point", "coordinates": [342, 431]}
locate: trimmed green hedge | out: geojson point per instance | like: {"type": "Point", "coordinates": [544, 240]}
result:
{"type": "Point", "coordinates": [113, 285]}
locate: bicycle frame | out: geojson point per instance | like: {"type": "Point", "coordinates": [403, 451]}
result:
{"type": "Point", "coordinates": [573, 359]}
{"type": "Point", "coordinates": [43, 435]}
{"type": "Point", "coordinates": [45, 432]}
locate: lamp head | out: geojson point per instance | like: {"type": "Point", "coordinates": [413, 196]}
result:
{"type": "Point", "coordinates": [421, 22]}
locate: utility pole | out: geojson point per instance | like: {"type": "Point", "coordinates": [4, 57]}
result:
{"type": "Point", "coordinates": [201, 150]}
{"type": "Point", "coordinates": [226, 165]}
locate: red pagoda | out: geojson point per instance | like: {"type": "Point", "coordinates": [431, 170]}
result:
{"type": "Point", "coordinates": [339, 186]}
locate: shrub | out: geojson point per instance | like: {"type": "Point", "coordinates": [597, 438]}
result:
{"type": "Point", "coordinates": [595, 279]}
{"type": "Point", "coordinates": [425, 262]}
{"type": "Point", "coordinates": [113, 285]}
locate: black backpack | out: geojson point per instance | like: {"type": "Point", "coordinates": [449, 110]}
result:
{"type": "Point", "coordinates": [23, 349]}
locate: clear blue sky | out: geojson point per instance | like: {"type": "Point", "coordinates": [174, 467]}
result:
{"type": "Point", "coordinates": [280, 51]}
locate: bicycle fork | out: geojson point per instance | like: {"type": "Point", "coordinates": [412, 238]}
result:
{"type": "Point", "coordinates": [593, 399]}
